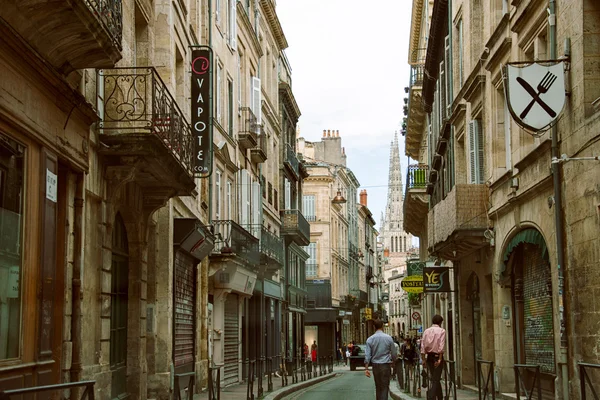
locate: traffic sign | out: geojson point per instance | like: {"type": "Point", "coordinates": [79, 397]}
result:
{"type": "Point", "coordinates": [416, 316]}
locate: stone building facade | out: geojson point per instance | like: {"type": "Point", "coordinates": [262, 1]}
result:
{"type": "Point", "coordinates": [517, 221]}
{"type": "Point", "coordinates": [136, 270]}
{"type": "Point", "coordinates": [342, 268]}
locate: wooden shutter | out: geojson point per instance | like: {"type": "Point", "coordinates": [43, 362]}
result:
{"type": "Point", "coordinates": [481, 154]}
{"type": "Point", "coordinates": [233, 26]}
{"type": "Point", "coordinates": [256, 99]}
{"type": "Point", "coordinates": [256, 204]}
{"type": "Point", "coordinates": [448, 88]}
{"type": "Point", "coordinates": [245, 190]}
{"type": "Point", "coordinates": [473, 160]}
{"type": "Point", "coordinates": [288, 195]}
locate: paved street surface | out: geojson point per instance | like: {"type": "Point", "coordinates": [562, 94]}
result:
{"type": "Point", "coordinates": [342, 384]}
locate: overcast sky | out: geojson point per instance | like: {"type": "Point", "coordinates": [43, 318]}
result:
{"type": "Point", "coordinates": [349, 63]}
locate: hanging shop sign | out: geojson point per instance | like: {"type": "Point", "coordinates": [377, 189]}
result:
{"type": "Point", "coordinates": [536, 93]}
{"type": "Point", "coordinates": [414, 267]}
{"type": "Point", "coordinates": [201, 110]}
{"type": "Point", "coordinates": [412, 284]}
{"type": "Point", "coordinates": [436, 279]}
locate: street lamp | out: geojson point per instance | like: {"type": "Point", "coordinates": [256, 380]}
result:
{"type": "Point", "coordinates": [339, 199]}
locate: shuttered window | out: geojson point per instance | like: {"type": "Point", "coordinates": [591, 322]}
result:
{"type": "Point", "coordinates": [308, 209]}
{"type": "Point", "coordinates": [476, 154]}
{"type": "Point", "coordinates": [255, 101]}
{"type": "Point", "coordinates": [232, 31]}
{"type": "Point", "coordinates": [232, 339]}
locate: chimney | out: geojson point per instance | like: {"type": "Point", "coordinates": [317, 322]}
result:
{"type": "Point", "coordinates": [324, 133]}
{"type": "Point", "coordinates": [328, 133]}
{"type": "Point", "coordinates": [363, 197]}
{"type": "Point", "coordinates": [386, 252]}
{"type": "Point", "coordinates": [337, 133]}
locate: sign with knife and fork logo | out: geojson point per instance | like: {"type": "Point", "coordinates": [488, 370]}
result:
{"type": "Point", "coordinates": [535, 94]}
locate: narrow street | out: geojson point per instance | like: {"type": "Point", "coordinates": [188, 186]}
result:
{"type": "Point", "coordinates": [346, 385]}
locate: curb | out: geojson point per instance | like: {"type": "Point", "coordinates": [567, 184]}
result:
{"type": "Point", "coordinates": [280, 393]}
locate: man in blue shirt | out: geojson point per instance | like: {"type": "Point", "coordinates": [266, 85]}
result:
{"type": "Point", "coordinates": [381, 353]}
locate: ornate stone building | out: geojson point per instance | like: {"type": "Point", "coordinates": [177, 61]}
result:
{"type": "Point", "coordinates": [517, 220]}
{"type": "Point", "coordinates": [115, 283]}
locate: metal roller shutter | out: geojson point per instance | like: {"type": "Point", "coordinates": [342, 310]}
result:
{"type": "Point", "coordinates": [185, 300]}
{"type": "Point", "coordinates": [231, 340]}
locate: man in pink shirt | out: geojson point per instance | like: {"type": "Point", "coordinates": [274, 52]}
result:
{"type": "Point", "coordinates": [432, 350]}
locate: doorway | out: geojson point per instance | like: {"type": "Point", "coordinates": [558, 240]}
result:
{"type": "Point", "coordinates": [118, 316]}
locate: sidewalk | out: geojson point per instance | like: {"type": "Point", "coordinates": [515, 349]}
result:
{"type": "Point", "coordinates": [239, 391]}
{"type": "Point", "coordinates": [397, 394]}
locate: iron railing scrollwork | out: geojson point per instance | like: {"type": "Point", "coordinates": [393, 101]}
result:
{"type": "Point", "coordinates": [137, 100]}
{"type": "Point", "coordinates": [232, 238]}
{"type": "Point", "coordinates": [262, 142]}
{"type": "Point", "coordinates": [291, 159]}
{"type": "Point", "coordinates": [486, 385]}
{"type": "Point", "coordinates": [249, 128]}
{"type": "Point", "coordinates": [585, 381]}
{"type": "Point", "coordinates": [110, 14]}
{"type": "Point", "coordinates": [88, 392]}
{"type": "Point", "coordinates": [295, 223]}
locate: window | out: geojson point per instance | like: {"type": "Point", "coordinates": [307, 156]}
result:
{"type": "Point", "coordinates": [229, 202]}
{"type": "Point", "coordinates": [231, 24]}
{"type": "Point", "coordinates": [270, 193]}
{"type": "Point", "coordinates": [461, 51]}
{"type": "Point", "coordinates": [288, 194]}
{"type": "Point", "coordinates": [311, 263]}
{"type": "Point", "coordinates": [239, 82]}
{"type": "Point", "coordinates": [255, 101]}
{"type": "Point", "coordinates": [275, 200]}
{"type": "Point", "coordinates": [11, 211]}
{"type": "Point", "coordinates": [218, 195]}
{"type": "Point", "coordinates": [476, 154]}
{"type": "Point", "coordinates": [230, 107]}
{"type": "Point", "coordinates": [309, 207]}
{"type": "Point", "coordinates": [218, 92]}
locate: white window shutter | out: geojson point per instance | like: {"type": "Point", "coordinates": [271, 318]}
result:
{"type": "Point", "coordinates": [256, 204]}
{"type": "Point", "coordinates": [288, 195]}
{"type": "Point", "coordinates": [244, 186]}
{"type": "Point", "coordinates": [233, 32]}
{"type": "Point", "coordinates": [507, 138]}
{"type": "Point", "coordinates": [472, 152]}
{"type": "Point", "coordinates": [448, 65]}
{"type": "Point", "coordinates": [256, 99]}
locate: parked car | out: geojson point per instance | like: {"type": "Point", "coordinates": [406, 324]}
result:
{"type": "Point", "coordinates": [357, 357]}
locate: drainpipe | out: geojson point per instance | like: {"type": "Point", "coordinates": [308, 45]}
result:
{"type": "Point", "coordinates": [558, 219]}
{"type": "Point", "coordinates": [76, 334]}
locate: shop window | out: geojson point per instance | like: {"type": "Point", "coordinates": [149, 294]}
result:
{"type": "Point", "coordinates": [11, 271]}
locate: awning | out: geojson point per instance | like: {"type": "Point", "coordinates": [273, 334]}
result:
{"type": "Point", "coordinates": [529, 235]}
{"type": "Point", "coordinates": [192, 237]}
{"type": "Point", "coordinates": [435, 47]}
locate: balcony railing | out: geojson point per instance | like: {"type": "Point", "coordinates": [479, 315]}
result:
{"type": "Point", "coordinates": [259, 153]}
{"type": "Point", "coordinates": [295, 225]}
{"type": "Point", "coordinates": [270, 245]}
{"type": "Point", "coordinates": [136, 100]}
{"type": "Point", "coordinates": [416, 177]}
{"type": "Point", "coordinates": [416, 75]}
{"type": "Point", "coordinates": [110, 14]}
{"type": "Point", "coordinates": [291, 159]}
{"type": "Point", "coordinates": [231, 239]}
{"type": "Point", "coordinates": [249, 129]}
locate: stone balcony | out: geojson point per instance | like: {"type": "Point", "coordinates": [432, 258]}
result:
{"type": "Point", "coordinates": [457, 223]}
{"type": "Point", "coordinates": [143, 134]}
{"type": "Point", "coordinates": [416, 200]}
{"type": "Point", "coordinates": [72, 34]}
{"type": "Point", "coordinates": [259, 153]}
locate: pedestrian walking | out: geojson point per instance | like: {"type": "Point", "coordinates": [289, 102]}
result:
{"type": "Point", "coordinates": [381, 353]}
{"type": "Point", "coordinates": [432, 351]}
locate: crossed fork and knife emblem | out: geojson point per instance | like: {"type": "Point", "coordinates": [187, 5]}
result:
{"type": "Point", "coordinates": [543, 87]}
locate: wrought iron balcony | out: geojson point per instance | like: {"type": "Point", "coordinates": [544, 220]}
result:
{"type": "Point", "coordinates": [271, 247]}
{"type": "Point", "coordinates": [249, 129]}
{"type": "Point", "coordinates": [233, 240]}
{"type": "Point", "coordinates": [416, 114]}
{"type": "Point", "coordinates": [72, 34]}
{"type": "Point", "coordinates": [258, 154]}
{"type": "Point", "coordinates": [142, 121]}
{"type": "Point", "coordinates": [295, 226]}
{"type": "Point", "coordinates": [291, 160]}
{"type": "Point", "coordinates": [416, 200]}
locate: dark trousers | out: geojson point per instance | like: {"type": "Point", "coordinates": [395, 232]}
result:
{"type": "Point", "coordinates": [382, 374]}
{"type": "Point", "coordinates": [434, 392]}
